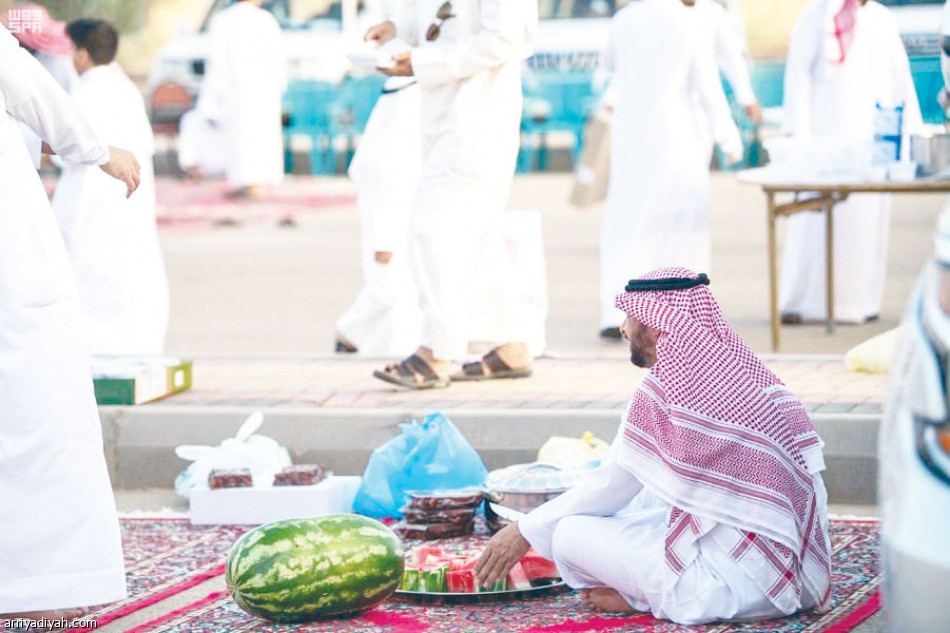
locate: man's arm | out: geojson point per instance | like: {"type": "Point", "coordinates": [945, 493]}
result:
{"type": "Point", "coordinates": [35, 99]}
{"type": "Point", "coordinates": [602, 492]}
{"type": "Point", "coordinates": [405, 23]}
{"type": "Point", "coordinates": [704, 77]}
{"type": "Point", "coordinates": [501, 37]}
{"type": "Point", "coordinates": [731, 58]}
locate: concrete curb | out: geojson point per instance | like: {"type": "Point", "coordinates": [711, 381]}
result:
{"type": "Point", "coordinates": [140, 441]}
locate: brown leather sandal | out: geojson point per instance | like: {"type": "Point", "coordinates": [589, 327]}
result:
{"type": "Point", "coordinates": [497, 368]}
{"type": "Point", "coordinates": [413, 373]}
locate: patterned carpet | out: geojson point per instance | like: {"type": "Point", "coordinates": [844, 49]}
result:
{"type": "Point", "coordinates": [188, 205]}
{"type": "Point", "coordinates": [165, 557]}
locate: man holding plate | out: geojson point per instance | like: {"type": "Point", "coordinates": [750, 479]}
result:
{"type": "Point", "coordinates": [466, 56]}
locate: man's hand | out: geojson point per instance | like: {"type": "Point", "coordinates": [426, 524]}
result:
{"type": "Point", "coordinates": [502, 552]}
{"type": "Point", "coordinates": [383, 257]}
{"type": "Point", "coordinates": [381, 33]}
{"type": "Point", "coordinates": [123, 166]}
{"type": "Point", "coordinates": [402, 66]}
{"type": "Point", "coordinates": [754, 112]}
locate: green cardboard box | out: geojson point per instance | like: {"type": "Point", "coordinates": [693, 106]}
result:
{"type": "Point", "coordinates": [131, 380]}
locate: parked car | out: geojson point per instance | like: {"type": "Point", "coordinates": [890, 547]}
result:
{"type": "Point", "coordinates": [914, 448]}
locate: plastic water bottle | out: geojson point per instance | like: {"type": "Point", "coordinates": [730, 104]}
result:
{"type": "Point", "coordinates": [887, 133]}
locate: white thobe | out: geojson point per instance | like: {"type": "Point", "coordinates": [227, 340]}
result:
{"type": "Point", "coordinates": [729, 51]}
{"type": "Point", "coordinates": [610, 531]}
{"type": "Point", "coordinates": [59, 535]}
{"type": "Point", "coordinates": [385, 320]}
{"type": "Point", "coordinates": [657, 211]}
{"type": "Point", "coordinates": [825, 99]}
{"type": "Point", "coordinates": [470, 82]}
{"type": "Point", "coordinates": [112, 240]}
{"type": "Point", "coordinates": [202, 141]}
{"type": "Point", "coordinates": [61, 67]}
{"type": "Point", "coordinates": [246, 74]}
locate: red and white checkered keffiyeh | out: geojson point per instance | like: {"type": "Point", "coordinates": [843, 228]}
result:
{"type": "Point", "coordinates": [717, 435]}
{"type": "Point", "coordinates": [841, 17]}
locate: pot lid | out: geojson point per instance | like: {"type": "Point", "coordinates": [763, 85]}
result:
{"type": "Point", "coordinates": [532, 477]}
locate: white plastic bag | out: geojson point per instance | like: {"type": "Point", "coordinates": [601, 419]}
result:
{"type": "Point", "coordinates": [262, 455]}
{"type": "Point", "coordinates": [572, 452]}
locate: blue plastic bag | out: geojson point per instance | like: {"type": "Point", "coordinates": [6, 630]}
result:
{"type": "Point", "coordinates": [433, 455]}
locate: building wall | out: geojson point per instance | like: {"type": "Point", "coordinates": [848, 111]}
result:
{"type": "Point", "coordinates": [769, 25]}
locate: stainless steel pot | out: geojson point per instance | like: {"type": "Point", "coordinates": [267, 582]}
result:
{"type": "Point", "coordinates": [521, 501]}
{"type": "Point", "coordinates": [523, 487]}
{"type": "Point", "coordinates": [931, 152]}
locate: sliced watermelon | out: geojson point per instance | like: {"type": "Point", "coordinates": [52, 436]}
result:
{"type": "Point", "coordinates": [433, 579]}
{"type": "Point", "coordinates": [517, 579]}
{"type": "Point", "coordinates": [536, 567]}
{"type": "Point", "coordinates": [499, 585]}
{"type": "Point", "coordinates": [419, 554]}
{"type": "Point", "coordinates": [460, 581]}
{"type": "Point", "coordinates": [411, 580]}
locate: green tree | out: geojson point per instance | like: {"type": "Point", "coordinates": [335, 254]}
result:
{"type": "Point", "coordinates": [126, 15]}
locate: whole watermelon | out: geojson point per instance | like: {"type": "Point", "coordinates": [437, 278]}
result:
{"type": "Point", "coordinates": [303, 569]}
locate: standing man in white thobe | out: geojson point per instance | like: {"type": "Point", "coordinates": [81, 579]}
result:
{"type": "Point", "coordinates": [46, 40]}
{"type": "Point", "coordinates": [384, 320]}
{"type": "Point", "coordinates": [112, 240]}
{"type": "Point", "coordinates": [59, 534]}
{"type": "Point", "coordinates": [832, 87]}
{"type": "Point", "coordinates": [466, 56]}
{"type": "Point", "coordinates": [657, 211]}
{"type": "Point", "coordinates": [246, 75]}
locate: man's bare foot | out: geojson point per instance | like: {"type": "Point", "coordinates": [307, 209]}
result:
{"type": "Point", "coordinates": [56, 615]}
{"type": "Point", "coordinates": [607, 600]}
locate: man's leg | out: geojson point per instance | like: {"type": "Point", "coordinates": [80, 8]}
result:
{"type": "Point", "coordinates": [618, 554]}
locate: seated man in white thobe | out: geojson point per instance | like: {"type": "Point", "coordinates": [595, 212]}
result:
{"type": "Point", "coordinates": [113, 241]}
{"type": "Point", "coordinates": [60, 546]}
{"type": "Point", "coordinates": [710, 503]}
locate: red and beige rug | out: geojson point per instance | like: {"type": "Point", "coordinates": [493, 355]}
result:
{"type": "Point", "coordinates": [187, 205]}
{"type": "Point", "coordinates": [167, 557]}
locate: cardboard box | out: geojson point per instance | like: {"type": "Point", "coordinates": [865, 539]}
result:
{"type": "Point", "coordinates": [136, 380]}
{"type": "Point", "coordinates": [592, 173]}
{"type": "Point", "coordinates": [258, 504]}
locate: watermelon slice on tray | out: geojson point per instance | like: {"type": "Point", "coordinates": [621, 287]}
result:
{"type": "Point", "coordinates": [536, 567]}
{"type": "Point", "coordinates": [433, 571]}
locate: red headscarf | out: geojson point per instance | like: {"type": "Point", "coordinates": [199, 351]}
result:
{"type": "Point", "coordinates": [717, 435]}
{"type": "Point", "coordinates": [841, 17]}
{"type": "Point", "coordinates": [36, 29]}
